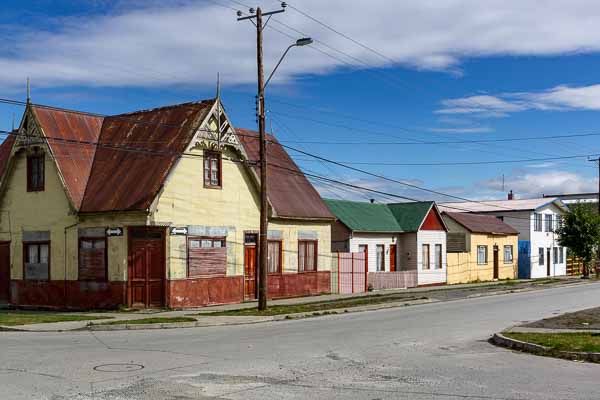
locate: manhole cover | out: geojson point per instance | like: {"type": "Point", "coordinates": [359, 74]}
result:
{"type": "Point", "coordinates": [118, 367]}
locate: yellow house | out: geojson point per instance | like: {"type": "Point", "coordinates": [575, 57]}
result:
{"type": "Point", "coordinates": [150, 209]}
{"type": "Point", "coordinates": [480, 248]}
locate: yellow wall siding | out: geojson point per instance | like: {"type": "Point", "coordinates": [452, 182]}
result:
{"type": "Point", "coordinates": [185, 202]}
{"type": "Point", "coordinates": [290, 230]}
{"type": "Point", "coordinates": [50, 210]}
{"type": "Point", "coordinates": [463, 267]}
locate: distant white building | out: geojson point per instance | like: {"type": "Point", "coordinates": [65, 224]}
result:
{"type": "Point", "coordinates": [575, 198]}
{"type": "Point", "coordinates": [540, 255]}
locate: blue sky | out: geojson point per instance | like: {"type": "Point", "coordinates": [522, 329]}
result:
{"type": "Point", "coordinates": [446, 71]}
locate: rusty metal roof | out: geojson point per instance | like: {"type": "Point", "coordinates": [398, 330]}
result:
{"type": "Point", "coordinates": [482, 223]}
{"type": "Point", "coordinates": [135, 154]}
{"type": "Point", "coordinates": [5, 149]}
{"type": "Point", "coordinates": [71, 137]}
{"type": "Point", "coordinates": [289, 192]}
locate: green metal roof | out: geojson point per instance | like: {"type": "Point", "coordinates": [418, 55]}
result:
{"type": "Point", "coordinates": [410, 216]}
{"type": "Point", "coordinates": [364, 217]}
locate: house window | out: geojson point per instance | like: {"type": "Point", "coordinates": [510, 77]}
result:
{"type": "Point", "coordinates": [482, 255]}
{"type": "Point", "coordinates": [438, 256]}
{"type": "Point", "coordinates": [92, 259]}
{"type": "Point", "coordinates": [426, 260]}
{"type": "Point", "coordinates": [207, 256]}
{"type": "Point", "coordinates": [555, 254]}
{"type": "Point", "coordinates": [274, 256]}
{"type": "Point", "coordinates": [35, 173]}
{"type": "Point", "coordinates": [380, 258]}
{"type": "Point", "coordinates": [37, 260]}
{"type": "Point", "coordinates": [508, 254]}
{"type": "Point", "coordinates": [307, 255]}
{"type": "Point", "coordinates": [561, 253]}
{"type": "Point", "coordinates": [559, 222]}
{"type": "Point", "coordinates": [549, 223]}
{"type": "Point", "coordinates": [541, 256]}
{"type": "Point", "coordinates": [537, 222]}
{"type": "Point", "coordinates": [212, 169]}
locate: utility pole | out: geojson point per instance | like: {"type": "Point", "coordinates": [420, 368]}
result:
{"type": "Point", "coordinates": [257, 20]}
{"type": "Point", "coordinates": [597, 160]}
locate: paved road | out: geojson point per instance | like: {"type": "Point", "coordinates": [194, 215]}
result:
{"type": "Point", "coordinates": [433, 351]}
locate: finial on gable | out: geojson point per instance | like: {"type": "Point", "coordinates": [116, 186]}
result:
{"type": "Point", "coordinates": [218, 97]}
{"type": "Point", "coordinates": [28, 92]}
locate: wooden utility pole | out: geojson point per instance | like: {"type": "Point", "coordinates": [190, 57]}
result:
{"type": "Point", "coordinates": [597, 266]}
{"type": "Point", "coordinates": [257, 19]}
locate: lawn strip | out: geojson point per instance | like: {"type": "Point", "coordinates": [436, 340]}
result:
{"type": "Point", "coordinates": [573, 342]}
{"type": "Point", "coordinates": [14, 318]}
{"type": "Point", "coordinates": [313, 307]}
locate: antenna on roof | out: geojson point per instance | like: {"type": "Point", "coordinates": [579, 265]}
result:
{"type": "Point", "coordinates": [13, 121]}
{"type": "Point", "coordinates": [218, 97]}
{"type": "Point", "coordinates": [28, 92]}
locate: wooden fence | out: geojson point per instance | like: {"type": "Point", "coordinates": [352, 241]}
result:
{"type": "Point", "coordinates": [349, 273]}
{"type": "Point", "coordinates": [574, 266]}
{"type": "Point", "coordinates": [393, 280]}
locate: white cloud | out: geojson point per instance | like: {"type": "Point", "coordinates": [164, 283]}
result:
{"type": "Point", "coordinates": [527, 185]}
{"type": "Point", "coordinates": [187, 43]}
{"type": "Point", "coordinates": [562, 98]}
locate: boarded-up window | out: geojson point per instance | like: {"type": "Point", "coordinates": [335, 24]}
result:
{"type": "Point", "coordinates": [92, 259]}
{"type": "Point", "coordinates": [274, 256]}
{"type": "Point", "coordinates": [37, 260]}
{"type": "Point", "coordinates": [207, 257]}
{"type": "Point", "coordinates": [35, 173]}
{"type": "Point", "coordinates": [307, 255]}
{"type": "Point", "coordinates": [456, 242]}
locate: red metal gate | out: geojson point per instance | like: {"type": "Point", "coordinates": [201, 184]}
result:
{"type": "Point", "coordinates": [352, 272]}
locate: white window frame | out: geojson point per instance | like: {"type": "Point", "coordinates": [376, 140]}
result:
{"type": "Point", "coordinates": [485, 255]}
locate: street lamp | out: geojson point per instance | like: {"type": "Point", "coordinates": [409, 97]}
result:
{"type": "Point", "coordinates": [299, 43]}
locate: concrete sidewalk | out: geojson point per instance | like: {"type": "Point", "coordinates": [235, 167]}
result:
{"type": "Point", "coordinates": [413, 296]}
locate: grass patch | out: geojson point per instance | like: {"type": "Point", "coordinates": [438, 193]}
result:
{"type": "Point", "coordinates": [315, 307]}
{"type": "Point", "coordinates": [578, 342]}
{"type": "Point", "coordinates": [13, 318]}
{"type": "Point", "coordinates": [143, 321]}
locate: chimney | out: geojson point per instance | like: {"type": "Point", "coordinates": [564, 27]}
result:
{"type": "Point", "coordinates": [372, 201]}
{"type": "Point", "coordinates": [511, 196]}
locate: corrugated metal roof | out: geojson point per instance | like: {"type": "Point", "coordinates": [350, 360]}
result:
{"type": "Point", "coordinates": [290, 193]}
{"type": "Point", "coordinates": [5, 149]}
{"type": "Point", "coordinates": [126, 180]}
{"type": "Point", "coordinates": [482, 223]}
{"type": "Point", "coordinates": [66, 131]}
{"type": "Point", "coordinates": [410, 215]}
{"type": "Point", "coordinates": [364, 217]}
{"type": "Point", "coordinates": [500, 205]}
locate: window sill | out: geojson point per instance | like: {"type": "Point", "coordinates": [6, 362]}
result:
{"type": "Point", "coordinates": [213, 187]}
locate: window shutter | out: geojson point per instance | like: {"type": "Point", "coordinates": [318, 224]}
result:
{"type": "Point", "coordinates": [456, 242]}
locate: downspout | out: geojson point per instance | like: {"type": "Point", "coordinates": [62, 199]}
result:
{"type": "Point", "coordinates": [66, 257]}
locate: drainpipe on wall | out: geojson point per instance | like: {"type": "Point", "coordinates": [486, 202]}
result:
{"type": "Point", "coordinates": [66, 257]}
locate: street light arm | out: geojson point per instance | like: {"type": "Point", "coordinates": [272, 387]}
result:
{"type": "Point", "coordinates": [279, 63]}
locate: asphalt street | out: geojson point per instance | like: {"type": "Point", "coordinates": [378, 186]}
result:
{"type": "Point", "coordinates": [431, 351]}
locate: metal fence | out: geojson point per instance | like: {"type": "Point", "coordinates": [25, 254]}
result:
{"type": "Point", "coordinates": [349, 273]}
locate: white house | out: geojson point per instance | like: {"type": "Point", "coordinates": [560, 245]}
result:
{"type": "Point", "coordinates": [540, 254]}
{"type": "Point", "coordinates": [397, 237]}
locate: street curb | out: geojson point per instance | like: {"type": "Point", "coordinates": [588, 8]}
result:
{"type": "Point", "coordinates": [258, 320]}
{"type": "Point", "coordinates": [503, 341]}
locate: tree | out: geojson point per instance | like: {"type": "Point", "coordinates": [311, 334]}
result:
{"type": "Point", "coordinates": [580, 232]}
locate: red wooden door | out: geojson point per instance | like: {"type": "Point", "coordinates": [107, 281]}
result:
{"type": "Point", "coordinates": [146, 285]}
{"type": "Point", "coordinates": [4, 272]}
{"type": "Point", "coordinates": [250, 272]}
{"type": "Point", "coordinates": [392, 257]}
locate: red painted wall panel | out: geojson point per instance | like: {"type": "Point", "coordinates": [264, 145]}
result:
{"type": "Point", "coordinates": [296, 285]}
{"type": "Point", "coordinates": [80, 295]}
{"type": "Point", "coordinates": [432, 222]}
{"type": "Point", "coordinates": [205, 291]}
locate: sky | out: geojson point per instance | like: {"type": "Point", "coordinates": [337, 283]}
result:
{"type": "Point", "coordinates": [384, 82]}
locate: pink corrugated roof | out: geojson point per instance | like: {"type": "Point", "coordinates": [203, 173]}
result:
{"type": "Point", "coordinates": [482, 223]}
{"type": "Point", "coordinates": [289, 192]}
